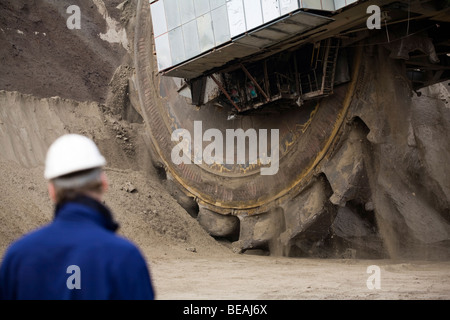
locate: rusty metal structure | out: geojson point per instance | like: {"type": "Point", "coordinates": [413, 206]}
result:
{"type": "Point", "coordinates": [222, 40]}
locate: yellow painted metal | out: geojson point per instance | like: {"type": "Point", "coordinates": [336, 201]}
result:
{"type": "Point", "coordinates": [224, 207]}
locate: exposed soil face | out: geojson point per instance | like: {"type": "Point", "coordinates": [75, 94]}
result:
{"type": "Point", "coordinates": [56, 81]}
{"type": "Point", "coordinates": [41, 56]}
{"type": "Point", "coordinates": [146, 211]}
{"type": "Point", "coordinates": [391, 162]}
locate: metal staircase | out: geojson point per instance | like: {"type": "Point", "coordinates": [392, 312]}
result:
{"type": "Point", "coordinates": [319, 81]}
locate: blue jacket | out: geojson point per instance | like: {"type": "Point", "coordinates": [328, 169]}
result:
{"type": "Point", "coordinates": [77, 256]}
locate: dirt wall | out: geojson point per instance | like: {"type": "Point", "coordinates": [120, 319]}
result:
{"type": "Point", "coordinates": [146, 211]}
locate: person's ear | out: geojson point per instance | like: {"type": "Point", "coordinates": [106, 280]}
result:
{"type": "Point", "coordinates": [52, 192]}
{"type": "Point", "coordinates": [104, 179]}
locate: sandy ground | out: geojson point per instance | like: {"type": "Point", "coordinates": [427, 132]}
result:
{"type": "Point", "coordinates": [245, 277]}
{"type": "Point", "coordinates": [185, 262]}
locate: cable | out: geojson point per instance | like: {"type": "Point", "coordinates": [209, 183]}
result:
{"type": "Point", "coordinates": [387, 31]}
{"type": "Point", "coordinates": [409, 17]}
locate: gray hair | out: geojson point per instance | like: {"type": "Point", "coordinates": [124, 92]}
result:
{"type": "Point", "coordinates": [72, 185]}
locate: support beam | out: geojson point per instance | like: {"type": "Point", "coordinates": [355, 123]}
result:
{"type": "Point", "coordinates": [255, 82]}
{"type": "Point", "coordinates": [225, 92]}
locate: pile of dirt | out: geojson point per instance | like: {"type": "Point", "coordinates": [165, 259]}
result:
{"type": "Point", "coordinates": [146, 211]}
{"type": "Point", "coordinates": [56, 81]}
{"type": "Point", "coordinates": [41, 56]}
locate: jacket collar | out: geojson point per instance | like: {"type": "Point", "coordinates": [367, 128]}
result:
{"type": "Point", "coordinates": [101, 213]}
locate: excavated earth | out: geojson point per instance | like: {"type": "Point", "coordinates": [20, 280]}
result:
{"type": "Point", "coordinates": [385, 185]}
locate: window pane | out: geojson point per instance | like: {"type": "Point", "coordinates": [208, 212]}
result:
{"type": "Point", "coordinates": [328, 5]}
{"type": "Point", "coordinates": [338, 4]}
{"type": "Point", "coordinates": [216, 3]}
{"type": "Point", "coordinates": [163, 52]}
{"type": "Point", "coordinates": [253, 13]}
{"type": "Point", "coordinates": [176, 45]}
{"type": "Point", "coordinates": [201, 7]}
{"type": "Point", "coordinates": [205, 32]}
{"type": "Point", "coordinates": [312, 4]}
{"type": "Point", "coordinates": [191, 40]}
{"type": "Point", "coordinates": [158, 18]}
{"type": "Point", "coordinates": [236, 17]}
{"type": "Point", "coordinates": [271, 9]}
{"type": "Point", "coordinates": [287, 6]}
{"type": "Point", "coordinates": [172, 14]}
{"type": "Point", "coordinates": [220, 25]}
{"type": "Point", "coordinates": [187, 10]}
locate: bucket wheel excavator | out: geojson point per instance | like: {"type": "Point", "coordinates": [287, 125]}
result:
{"type": "Point", "coordinates": [337, 83]}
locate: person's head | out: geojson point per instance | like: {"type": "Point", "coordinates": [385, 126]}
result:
{"type": "Point", "coordinates": [74, 166]}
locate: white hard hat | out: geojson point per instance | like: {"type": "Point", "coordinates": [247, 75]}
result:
{"type": "Point", "coordinates": [72, 153]}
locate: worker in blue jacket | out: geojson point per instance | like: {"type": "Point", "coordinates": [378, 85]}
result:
{"type": "Point", "coordinates": [78, 255]}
